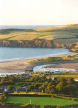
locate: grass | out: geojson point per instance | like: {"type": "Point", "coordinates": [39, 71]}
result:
{"type": "Point", "coordinates": [65, 76]}
{"type": "Point", "coordinates": [37, 35]}
{"type": "Point", "coordinates": [48, 33]}
{"type": "Point", "coordinates": [40, 101]}
{"type": "Point", "coordinates": [58, 28]}
{"type": "Point", "coordinates": [40, 37]}
{"type": "Point", "coordinates": [70, 57]}
{"type": "Point", "coordinates": [25, 36]}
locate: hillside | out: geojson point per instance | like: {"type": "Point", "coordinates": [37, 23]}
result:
{"type": "Point", "coordinates": [57, 36]}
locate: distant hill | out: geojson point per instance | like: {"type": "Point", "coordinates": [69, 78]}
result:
{"type": "Point", "coordinates": [56, 36]}
{"type": "Point", "coordinates": [10, 30]}
{"type": "Point", "coordinates": [56, 28]}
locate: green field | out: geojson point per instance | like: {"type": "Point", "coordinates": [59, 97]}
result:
{"type": "Point", "coordinates": [49, 37]}
{"type": "Point", "coordinates": [40, 101]}
{"type": "Point", "coordinates": [48, 33]}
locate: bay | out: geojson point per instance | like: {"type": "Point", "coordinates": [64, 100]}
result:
{"type": "Point", "coordinates": [7, 54]}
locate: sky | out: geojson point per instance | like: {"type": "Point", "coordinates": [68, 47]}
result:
{"type": "Point", "coordinates": [38, 12]}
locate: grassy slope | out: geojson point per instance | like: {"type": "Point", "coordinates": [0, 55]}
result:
{"type": "Point", "coordinates": [67, 34]}
{"type": "Point", "coordinates": [59, 28]}
{"type": "Point", "coordinates": [41, 101]}
{"type": "Point", "coordinates": [48, 33]}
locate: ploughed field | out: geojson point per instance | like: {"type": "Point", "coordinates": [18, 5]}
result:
{"type": "Point", "coordinates": [41, 101]}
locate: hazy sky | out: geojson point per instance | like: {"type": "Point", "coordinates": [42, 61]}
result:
{"type": "Point", "coordinates": [38, 12]}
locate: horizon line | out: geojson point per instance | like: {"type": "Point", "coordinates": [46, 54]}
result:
{"type": "Point", "coordinates": [40, 25]}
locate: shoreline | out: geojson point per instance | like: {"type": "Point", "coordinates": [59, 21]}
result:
{"type": "Point", "coordinates": [35, 57]}
{"type": "Point", "coordinates": [31, 58]}
{"type": "Point", "coordinates": [21, 65]}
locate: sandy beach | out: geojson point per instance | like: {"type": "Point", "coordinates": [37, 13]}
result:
{"type": "Point", "coordinates": [23, 65]}
{"type": "Point", "coordinates": [13, 66]}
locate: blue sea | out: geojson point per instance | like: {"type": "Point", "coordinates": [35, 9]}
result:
{"type": "Point", "coordinates": [23, 26]}
{"type": "Point", "coordinates": [7, 54]}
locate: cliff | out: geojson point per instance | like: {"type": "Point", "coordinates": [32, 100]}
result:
{"type": "Point", "coordinates": [48, 37]}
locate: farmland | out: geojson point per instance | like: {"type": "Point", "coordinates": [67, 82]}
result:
{"type": "Point", "coordinates": [37, 35]}
{"type": "Point", "coordinates": [58, 36]}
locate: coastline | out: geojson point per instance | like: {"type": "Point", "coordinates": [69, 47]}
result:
{"type": "Point", "coordinates": [21, 65]}
{"type": "Point", "coordinates": [37, 57]}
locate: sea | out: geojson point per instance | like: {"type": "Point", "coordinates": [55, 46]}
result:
{"type": "Point", "coordinates": [23, 26]}
{"type": "Point", "coordinates": [8, 54]}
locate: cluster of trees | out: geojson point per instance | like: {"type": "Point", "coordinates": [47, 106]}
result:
{"type": "Point", "coordinates": [8, 80]}
{"type": "Point", "coordinates": [65, 86]}
{"type": "Point", "coordinates": [35, 106]}
{"type": "Point", "coordinates": [3, 98]}
{"type": "Point", "coordinates": [60, 86]}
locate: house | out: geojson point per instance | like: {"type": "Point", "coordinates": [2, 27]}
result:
{"type": "Point", "coordinates": [36, 90]}
{"type": "Point", "coordinates": [22, 89]}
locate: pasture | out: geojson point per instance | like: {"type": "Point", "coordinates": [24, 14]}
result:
{"type": "Point", "coordinates": [40, 101]}
{"type": "Point", "coordinates": [47, 33]}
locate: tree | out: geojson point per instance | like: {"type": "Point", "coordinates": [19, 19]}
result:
{"type": "Point", "coordinates": [2, 99]}
{"type": "Point", "coordinates": [50, 89]}
{"type": "Point", "coordinates": [71, 89]}
{"type": "Point", "coordinates": [9, 88]}
{"type": "Point", "coordinates": [30, 88]}
{"type": "Point", "coordinates": [44, 86]}
{"type": "Point", "coordinates": [59, 87]}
